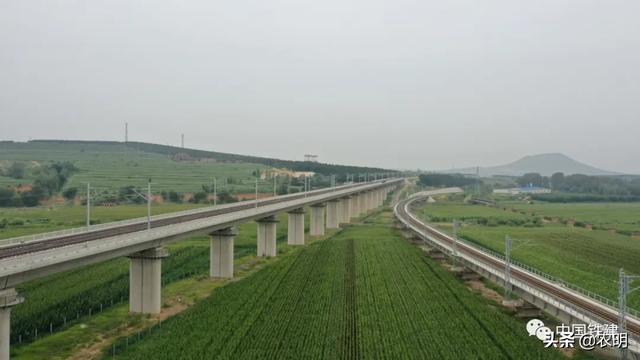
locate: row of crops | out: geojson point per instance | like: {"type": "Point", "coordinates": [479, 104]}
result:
{"type": "Point", "coordinates": [589, 259]}
{"type": "Point", "coordinates": [89, 290]}
{"type": "Point", "coordinates": [364, 293]}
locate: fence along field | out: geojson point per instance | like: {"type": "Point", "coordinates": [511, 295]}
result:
{"type": "Point", "coordinates": [365, 293]}
{"type": "Point", "coordinates": [587, 258]}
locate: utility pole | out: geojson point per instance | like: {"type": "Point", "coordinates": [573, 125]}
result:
{"type": "Point", "coordinates": [624, 290]}
{"type": "Point", "coordinates": [215, 192]}
{"type": "Point", "coordinates": [256, 192]}
{"type": "Point", "coordinates": [88, 206]}
{"type": "Point", "coordinates": [507, 267]}
{"type": "Point", "coordinates": [149, 205]}
{"type": "Point", "coordinates": [454, 247]}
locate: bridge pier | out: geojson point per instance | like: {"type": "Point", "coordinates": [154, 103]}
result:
{"type": "Point", "coordinates": [145, 281]}
{"type": "Point", "coordinates": [221, 253]}
{"type": "Point", "coordinates": [8, 299]}
{"type": "Point", "coordinates": [332, 214]}
{"type": "Point", "coordinates": [267, 236]}
{"type": "Point", "coordinates": [362, 207]}
{"type": "Point", "coordinates": [296, 227]}
{"type": "Point", "coordinates": [316, 228]}
{"type": "Point", "coordinates": [346, 210]}
{"type": "Point", "coordinates": [355, 205]}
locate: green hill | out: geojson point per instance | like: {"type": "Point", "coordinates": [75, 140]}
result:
{"type": "Point", "coordinates": [112, 165]}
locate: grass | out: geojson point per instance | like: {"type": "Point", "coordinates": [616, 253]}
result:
{"type": "Point", "coordinates": [63, 297]}
{"type": "Point", "coordinates": [45, 219]}
{"type": "Point", "coordinates": [90, 331]}
{"type": "Point", "coordinates": [111, 166]}
{"type": "Point", "coordinates": [364, 293]}
{"type": "Point", "coordinates": [618, 216]}
{"type": "Point", "coordinates": [587, 258]}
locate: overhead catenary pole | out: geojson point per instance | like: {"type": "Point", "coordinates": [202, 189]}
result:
{"type": "Point", "coordinates": [274, 185]}
{"type": "Point", "coordinates": [454, 247]}
{"type": "Point", "coordinates": [507, 267]}
{"type": "Point", "coordinates": [215, 192]}
{"type": "Point", "coordinates": [149, 205]}
{"type": "Point", "coordinates": [88, 206]}
{"type": "Point", "coordinates": [624, 290]}
{"type": "Point", "coordinates": [256, 193]}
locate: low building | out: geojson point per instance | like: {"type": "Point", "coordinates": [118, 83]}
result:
{"type": "Point", "coordinates": [522, 190]}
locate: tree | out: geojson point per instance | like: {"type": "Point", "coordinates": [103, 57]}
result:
{"type": "Point", "coordinates": [557, 180]}
{"type": "Point", "coordinates": [70, 193]}
{"type": "Point", "coordinates": [174, 197]}
{"type": "Point", "coordinates": [32, 197]}
{"type": "Point", "coordinates": [199, 197]}
{"type": "Point", "coordinates": [16, 170]}
{"type": "Point", "coordinates": [6, 197]}
{"type": "Point", "coordinates": [225, 196]}
{"type": "Point", "coordinates": [533, 179]}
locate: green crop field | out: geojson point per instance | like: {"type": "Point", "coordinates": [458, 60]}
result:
{"type": "Point", "coordinates": [587, 258]}
{"type": "Point", "coordinates": [619, 216]}
{"type": "Point", "coordinates": [365, 293]}
{"type": "Point", "coordinates": [111, 166]}
{"type": "Point", "coordinates": [89, 289]}
{"type": "Point", "coordinates": [448, 211]}
{"type": "Point", "coordinates": [26, 221]}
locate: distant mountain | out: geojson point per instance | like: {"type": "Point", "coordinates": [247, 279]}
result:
{"type": "Point", "coordinates": [544, 164]}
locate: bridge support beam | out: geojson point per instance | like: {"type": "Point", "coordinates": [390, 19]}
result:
{"type": "Point", "coordinates": [145, 281]}
{"type": "Point", "coordinates": [345, 213]}
{"type": "Point", "coordinates": [221, 253]}
{"type": "Point", "coordinates": [332, 214]}
{"type": "Point", "coordinates": [296, 227]}
{"type": "Point", "coordinates": [267, 236]}
{"type": "Point", "coordinates": [316, 228]}
{"type": "Point", "coordinates": [8, 299]}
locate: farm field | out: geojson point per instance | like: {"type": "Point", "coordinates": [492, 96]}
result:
{"type": "Point", "coordinates": [88, 290]}
{"type": "Point", "coordinates": [619, 216]}
{"type": "Point", "coordinates": [111, 166]}
{"type": "Point", "coordinates": [587, 258]}
{"type": "Point", "coordinates": [26, 221]}
{"type": "Point", "coordinates": [364, 293]}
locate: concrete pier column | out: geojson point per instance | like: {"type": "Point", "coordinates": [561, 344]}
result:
{"type": "Point", "coordinates": [316, 228]}
{"type": "Point", "coordinates": [8, 299]}
{"type": "Point", "coordinates": [353, 207]}
{"type": "Point", "coordinates": [145, 270]}
{"type": "Point", "coordinates": [362, 203]}
{"type": "Point", "coordinates": [221, 253]}
{"type": "Point", "coordinates": [332, 214]}
{"type": "Point", "coordinates": [296, 227]}
{"type": "Point", "coordinates": [267, 236]}
{"type": "Point", "coordinates": [346, 210]}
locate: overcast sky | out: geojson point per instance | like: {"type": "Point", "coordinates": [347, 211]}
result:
{"type": "Point", "coordinates": [392, 83]}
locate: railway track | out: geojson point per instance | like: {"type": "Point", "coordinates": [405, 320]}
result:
{"type": "Point", "coordinates": [601, 311]}
{"type": "Point", "coordinates": [46, 244]}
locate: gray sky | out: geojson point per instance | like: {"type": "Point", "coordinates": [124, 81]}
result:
{"type": "Point", "coordinates": [393, 83]}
